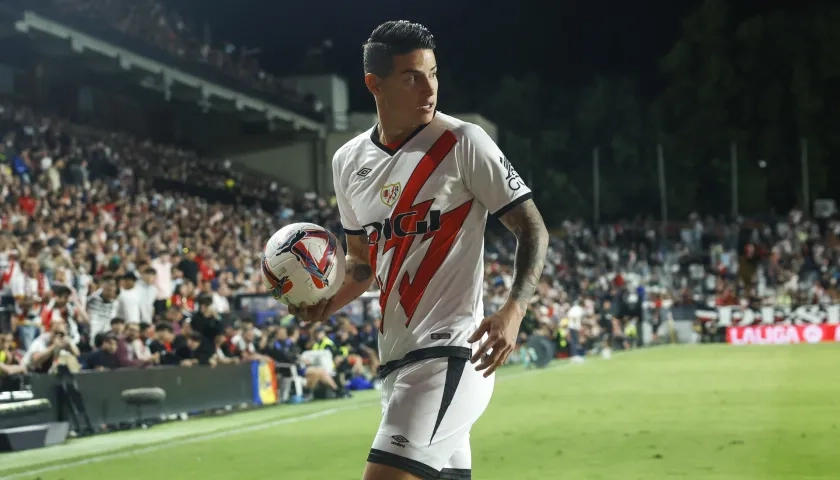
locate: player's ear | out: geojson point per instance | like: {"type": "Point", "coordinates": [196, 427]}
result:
{"type": "Point", "coordinates": [373, 83]}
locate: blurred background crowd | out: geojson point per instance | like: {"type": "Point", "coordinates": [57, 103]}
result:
{"type": "Point", "coordinates": [105, 265]}
{"type": "Point", "coordinates": [118, 274]}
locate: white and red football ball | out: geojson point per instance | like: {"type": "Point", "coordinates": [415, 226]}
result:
{"type": "Point", "coordinates": [302, 264]}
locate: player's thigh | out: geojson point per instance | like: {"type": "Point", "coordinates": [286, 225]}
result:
{"type": "Point", "coordinates": [430, 408]}
{"type": "Point", "coordinates": [378, 471]}
{"type": "Point", "coordinates": [459, 465]}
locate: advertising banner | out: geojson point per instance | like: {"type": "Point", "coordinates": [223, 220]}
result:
{"type": "Point", "coordinates": [782, 334]}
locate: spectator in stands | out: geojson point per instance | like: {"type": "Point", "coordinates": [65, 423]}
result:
{"type": "Point", "coordinates": [164, 345]}
{"type": "Point", "coordinates": [194, 355]}
{"type": "Point", "coordinates": [348, 360]}
{"type": "Point", "coordinates": [147, 333]}
{"type": "Point", "coordinates": [102, 307]}
{"type": "Point", "coordinates": [175, 318]}
{"type": "Point", "coordinates": [222, 355]}
{"type": "Point", "coordinates": [245, 341]}
{"type": "Point", "coordinates": [277, 344]}
{"type": "Point", "coordinates": [321, 341]}
{"type": "Point", "coordinates": [184, 297]}
{"type": "Point", "coordinates": [48, 347]}
{"type": "Point", "coordinates": [30, 288]}
{"type": "Point", "coordinates": [60, 308]}
{"type": "Point", "coordinates": [117, 327]}
{"type": "Point", "coordinates": [189, 267]}
{"type": "Point", "coordinates": [125, 351]}
{"type": "Point", "coordinates": [136, 346]}
{"type": "Point", "coordinates": [104, 357]}
{"type": "Point", "coordinates": [284, 348]}
{"type": "Point", "coordinates": [9, 364]}
{"type": "Point", "coordinates": [147, 294]}
{"type": "Point", "coordinates": [206, 322]}
{"type": "Point", "coordinates": [129, 301]}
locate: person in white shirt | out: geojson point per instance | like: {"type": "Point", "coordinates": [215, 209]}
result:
{"type": "Point", "coordinates": [163, 281]}
{"type": "Point", "coordinates": [137, 348]}
{"type": "Point", "coordinates": [102, 308]}
{"type": "Point", "coordinates": [575, 316]}
{"type": "Point", "coordinates": [129, 300]}
{"type": "Point", "coordinates": [31, 289]}
{"type": "Point", "coordinates": [46, 349]}
{"type": "Point", "coordinates": [147, 294]}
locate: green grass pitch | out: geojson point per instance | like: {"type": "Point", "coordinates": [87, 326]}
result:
{"type": "Point", "coordinates": [686, 412]}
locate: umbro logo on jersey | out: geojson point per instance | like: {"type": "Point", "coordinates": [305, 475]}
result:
{"type": "Point", "coordinates": [399, 441]}
{"type": "Point", "coordinates": [364, 172]}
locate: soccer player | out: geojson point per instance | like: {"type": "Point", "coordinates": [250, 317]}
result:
{"type": "Point", "coordinates": [413, 194]}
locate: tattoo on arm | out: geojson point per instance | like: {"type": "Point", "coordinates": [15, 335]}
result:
{"type": "Point", "coordinates": [527, 224]}
{"type": "Point", "coordinates": [357, 268]}
{"type": "Point", "coordinates": [359, 272]}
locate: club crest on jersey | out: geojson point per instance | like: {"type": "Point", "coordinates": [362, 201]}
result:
{"type": "Point", "coordinates": [390, 193]}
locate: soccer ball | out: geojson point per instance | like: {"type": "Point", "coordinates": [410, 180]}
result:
{"type": "Point", "coordinates": [302, 263]}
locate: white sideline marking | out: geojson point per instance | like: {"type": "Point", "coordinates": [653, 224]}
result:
{"type": "Point", "coordinates": [252, 428]}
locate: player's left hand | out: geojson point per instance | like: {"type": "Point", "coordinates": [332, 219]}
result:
{"type": "Point", "coordinates": [501, 328]}
{"type": "Point", "coordinates": [311, 313]}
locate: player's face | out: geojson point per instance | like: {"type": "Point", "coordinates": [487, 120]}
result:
{"type": "Point", "coordinates": [409, 93]}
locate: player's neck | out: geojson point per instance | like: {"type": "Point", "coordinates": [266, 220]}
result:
{"type": "Point", "coordinates": [390, 132]}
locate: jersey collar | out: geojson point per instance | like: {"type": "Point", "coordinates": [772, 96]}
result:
{"type": "Point", "coordinates": [374, 137]}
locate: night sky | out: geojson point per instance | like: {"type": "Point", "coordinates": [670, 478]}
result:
{"type": "Point", "coordinates": [480, 42]}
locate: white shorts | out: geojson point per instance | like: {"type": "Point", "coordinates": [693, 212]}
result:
{"type": "Point", "coordinates": [428, 409]}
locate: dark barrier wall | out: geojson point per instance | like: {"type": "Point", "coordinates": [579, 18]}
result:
{"type": "Point", "coordinates": [188, 389]}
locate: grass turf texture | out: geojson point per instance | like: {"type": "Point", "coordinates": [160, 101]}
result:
{"type": "Point", "coordinates": [688, 412]}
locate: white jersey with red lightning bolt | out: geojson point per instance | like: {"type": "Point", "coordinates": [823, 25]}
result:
{"type": "Point", "coordinates": [423, 206]}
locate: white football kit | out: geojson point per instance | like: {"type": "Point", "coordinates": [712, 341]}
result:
{"type": "Point", "coordinates": [423, 207]}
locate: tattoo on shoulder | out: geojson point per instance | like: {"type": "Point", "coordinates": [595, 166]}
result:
{"type": "Point", "coordinates": [359, 272]}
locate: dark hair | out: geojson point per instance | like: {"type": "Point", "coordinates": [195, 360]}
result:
{"type": "Point", "coordinates": [162, 327]}
{"type": "Point", "coordinates": [117, 320]}
{"type": "Point", "coordinates": [196, 337]}
{"type": "Point", "coordinates": [60, 290]}
{"type": "Point", "coordinates": [394, 38]}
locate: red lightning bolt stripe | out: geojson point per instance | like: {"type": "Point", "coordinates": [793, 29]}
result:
{"type": "Point", "coordinates": [401, 245]}
{"type": "Point", "coordinates": [442, 240]}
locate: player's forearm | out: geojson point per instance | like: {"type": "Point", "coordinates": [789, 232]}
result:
{"type": "Point", "coordinates": [357, 280]}
{"type": "Point", "coordinates": [532, 243]}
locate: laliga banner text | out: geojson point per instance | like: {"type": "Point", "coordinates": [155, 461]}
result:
{"type": "Point", "coordinates": [783, 334]}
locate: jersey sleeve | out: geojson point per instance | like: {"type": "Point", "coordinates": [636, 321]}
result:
{"type": "Point", "coordinates": [488, 174]}
{"type": "Point", "coordinates": [348, 218]}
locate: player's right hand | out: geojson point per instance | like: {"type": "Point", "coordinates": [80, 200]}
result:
{"type": "Point", "coordinates": [502, 330]}
{"type": "Point", "coordinates": [311, 313]}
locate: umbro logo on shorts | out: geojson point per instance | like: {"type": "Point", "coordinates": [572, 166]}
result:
{"type": "Point", "coordinates": [363, 172]}
{"type": "Point", "coordinates": [399, 441]}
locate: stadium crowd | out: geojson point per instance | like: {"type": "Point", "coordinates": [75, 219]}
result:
{"type": "Point", "coordinates": [85, 239]}
{"type": "Point", "coordinates": [99, 267]}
